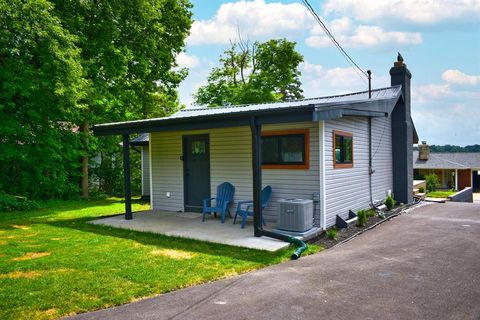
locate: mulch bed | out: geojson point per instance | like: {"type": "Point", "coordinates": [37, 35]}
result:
{"type": "Point", "coordinates": [343, 234]}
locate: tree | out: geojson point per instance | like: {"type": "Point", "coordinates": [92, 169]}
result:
{"type": "Point", "coordinates": [128, 51]}
{"type": "Point", "coordinates": [41, 84]}
{"type": "Point", "coordinates": [261, 72]}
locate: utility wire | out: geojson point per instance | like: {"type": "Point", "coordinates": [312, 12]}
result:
{"type": "Point", "coordinates": [354, 65]}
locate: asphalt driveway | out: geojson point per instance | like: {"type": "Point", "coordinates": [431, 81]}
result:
{"type": "Point", "coordinates": [422, 265]}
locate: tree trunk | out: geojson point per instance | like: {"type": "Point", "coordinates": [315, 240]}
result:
{"type": "Point", "coordinates": [84, 180]}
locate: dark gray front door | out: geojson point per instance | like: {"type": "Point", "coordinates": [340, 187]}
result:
{"type": "Point", "coordinates": [476, 180]}
{"type": "Point", "coordinates": [196, 171]}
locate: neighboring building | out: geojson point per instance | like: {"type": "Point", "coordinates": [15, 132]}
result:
{"type": "Point", "coordinates": [456, 170]}
{"type": "Point", "coordinates": [318, 148]}
{"type": "Point", "coordinates": [140, 143]}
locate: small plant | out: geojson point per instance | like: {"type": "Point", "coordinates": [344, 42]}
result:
{"type": "Point", "coordinates": [371, 213]}
{"type": "Point", "coordinates": [389, 202]}
{"type": "Point", "coordinates": [361, 218]}
{"type": "Point", "coordinates": [332, 233]}
{"type": "Point", "coordinates": [15, 203]}
{"type": "Point", "coordinates": [421, 190]}
{"type": "Point", "coordinates": [432, 181]}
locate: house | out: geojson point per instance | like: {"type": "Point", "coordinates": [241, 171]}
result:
{"type": "Point", "coordinates": [345, 152]}
{"type": "Point", "coordinates": [457, 170]}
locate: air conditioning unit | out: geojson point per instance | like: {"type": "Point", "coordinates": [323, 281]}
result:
{"type": "Point", "coordinates": [295, 215]}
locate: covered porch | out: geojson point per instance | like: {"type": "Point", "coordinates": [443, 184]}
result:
{"type": "Point", "coordinates": [189, 225]}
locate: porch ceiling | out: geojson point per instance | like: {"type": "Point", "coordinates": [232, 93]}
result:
{"type": "Point", "coordinates": [190, 225]}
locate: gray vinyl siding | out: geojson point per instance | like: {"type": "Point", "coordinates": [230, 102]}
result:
{"type": "Point", "coordinates": [145, 171]}
{"type": "Point", "coordinates": [230, 160]}
{"type": "Point", "coordinates": [347, 188]}
{"type": "Point", "coordinates": [295, 183]}
{"type": "Point", "coordinates": [166, 171]}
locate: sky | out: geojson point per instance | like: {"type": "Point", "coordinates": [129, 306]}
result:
{"type": "Point", "coordinates": [438, 39]}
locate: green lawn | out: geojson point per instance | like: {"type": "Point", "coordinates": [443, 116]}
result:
{"type": "Point", "coordinates": [440, 194]}
{"type": "Point", "coordinates": [52, 263]}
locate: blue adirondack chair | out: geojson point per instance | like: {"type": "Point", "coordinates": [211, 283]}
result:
{"type": "Point", "coordinates": [224, 198]}
{"type": "Point", "coordinates": [248, 206]}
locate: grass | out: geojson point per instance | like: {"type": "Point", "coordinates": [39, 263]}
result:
{"type": "Point", "coordinates": [332, 233]}
{"type": "Point", "coordinates": [52, 263]}
{"type": "Point", "coordinates": [440, 194]}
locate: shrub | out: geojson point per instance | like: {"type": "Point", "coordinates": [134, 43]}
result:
{"type": "Point", "coordinates": [371, 213]}
{"type": "Point", "coordinates": [421, 190]}
{"type": "Point", "coordinates": [332, 233]}
{"type": "Point", "coordinates": [389, 202]}
{"type": "Point", "coordinates": [361, 218]}
{"type": "Point", "coordinates": [432, 181]}
{"type": "Point", "coordinates": [11, 203]}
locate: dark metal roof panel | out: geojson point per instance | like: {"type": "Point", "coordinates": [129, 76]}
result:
{"type": "Point", "coordinates": [140, 140]}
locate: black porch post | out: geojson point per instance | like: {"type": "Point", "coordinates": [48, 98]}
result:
{"type": "Point", "coordinates": [257, 175]}
{"type": "Point", "coordinates": [126, 174]}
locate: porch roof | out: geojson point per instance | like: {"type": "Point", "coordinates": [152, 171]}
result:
{"type": "Point", "coordinates": [380, 104]}
{"type": "Point", "coordinates": [141, 140]}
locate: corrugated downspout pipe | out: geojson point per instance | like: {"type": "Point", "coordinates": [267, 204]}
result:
{"type": "Point", "coordinates": [301, 245]}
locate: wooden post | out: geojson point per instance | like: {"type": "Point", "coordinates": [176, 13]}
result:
{"type": "Point", "coordinates": [126, 174]}
{"type": "Point", "coordinates": [456, 179]}
{"type": "Point", "coordinates": [257, 176]}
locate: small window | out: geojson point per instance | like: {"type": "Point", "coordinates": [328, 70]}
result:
{"type": "Point", "coordinates": [342, 149]}
{"type": "Point", "coordinates": [198, 147]}
{"type": "Point", "coordinates": [285, 149]}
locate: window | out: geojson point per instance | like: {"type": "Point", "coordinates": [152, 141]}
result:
{"type": "Point", "coordinates": [342, 149]}
{"type": "Point", "coordinates": [285, 149]}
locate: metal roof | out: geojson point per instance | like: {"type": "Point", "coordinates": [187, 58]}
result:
{"type": "Point", "coordinates": [448, 160]}
{"type": "Point", "coordinates": [140, 140]}
{"type": "Point", "coordinates": [381, 103]}
{"type": "Point", "coordinates": [318, 103]}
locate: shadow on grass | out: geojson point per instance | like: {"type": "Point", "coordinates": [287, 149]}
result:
{"type": "Point", "coordinates": [51, 208]}
{"type": "Point", "coordinates": [171, 242]}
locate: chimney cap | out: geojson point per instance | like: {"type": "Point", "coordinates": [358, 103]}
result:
{"type": "Point", "coordinates": [424, 142]}
{"type": "Point", "coordinates": [399, 57]}
{"type": "Point", "coordinates": [399, 62]}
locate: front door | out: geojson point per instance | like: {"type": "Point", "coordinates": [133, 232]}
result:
{"type": "Point", "coordinates": [476, 180]}
{"type": "Point", "coordinates": [464, 177]}
{"type": "Point", "coordinates": [196, 171]}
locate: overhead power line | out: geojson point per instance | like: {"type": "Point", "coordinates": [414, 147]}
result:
{"type": "Point", "coordinates": [347, 57]}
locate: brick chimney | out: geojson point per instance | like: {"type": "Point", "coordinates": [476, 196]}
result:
{"type": "Point", "coordinates": [402, 135]}
{"type": "Point", "coordinates": [423, 151]}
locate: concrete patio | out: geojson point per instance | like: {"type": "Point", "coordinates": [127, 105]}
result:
{"type": "Point", "coordinates": [190, 225]}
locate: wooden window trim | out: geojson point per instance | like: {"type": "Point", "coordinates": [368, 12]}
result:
{"type": "Point", "coordinates": [304, 166]}
{"type": "Point", "coordinates": [341, 165]}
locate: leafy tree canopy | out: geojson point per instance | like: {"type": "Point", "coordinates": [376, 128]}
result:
{"type": "Point", "coordinates": [41, 83]}
{"type": "Point", "coordinates": [128, 51]}
{"type": "Point", "coordinates": [261, 72]}
{"type": "Point", "coordinates": [67, 64]}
